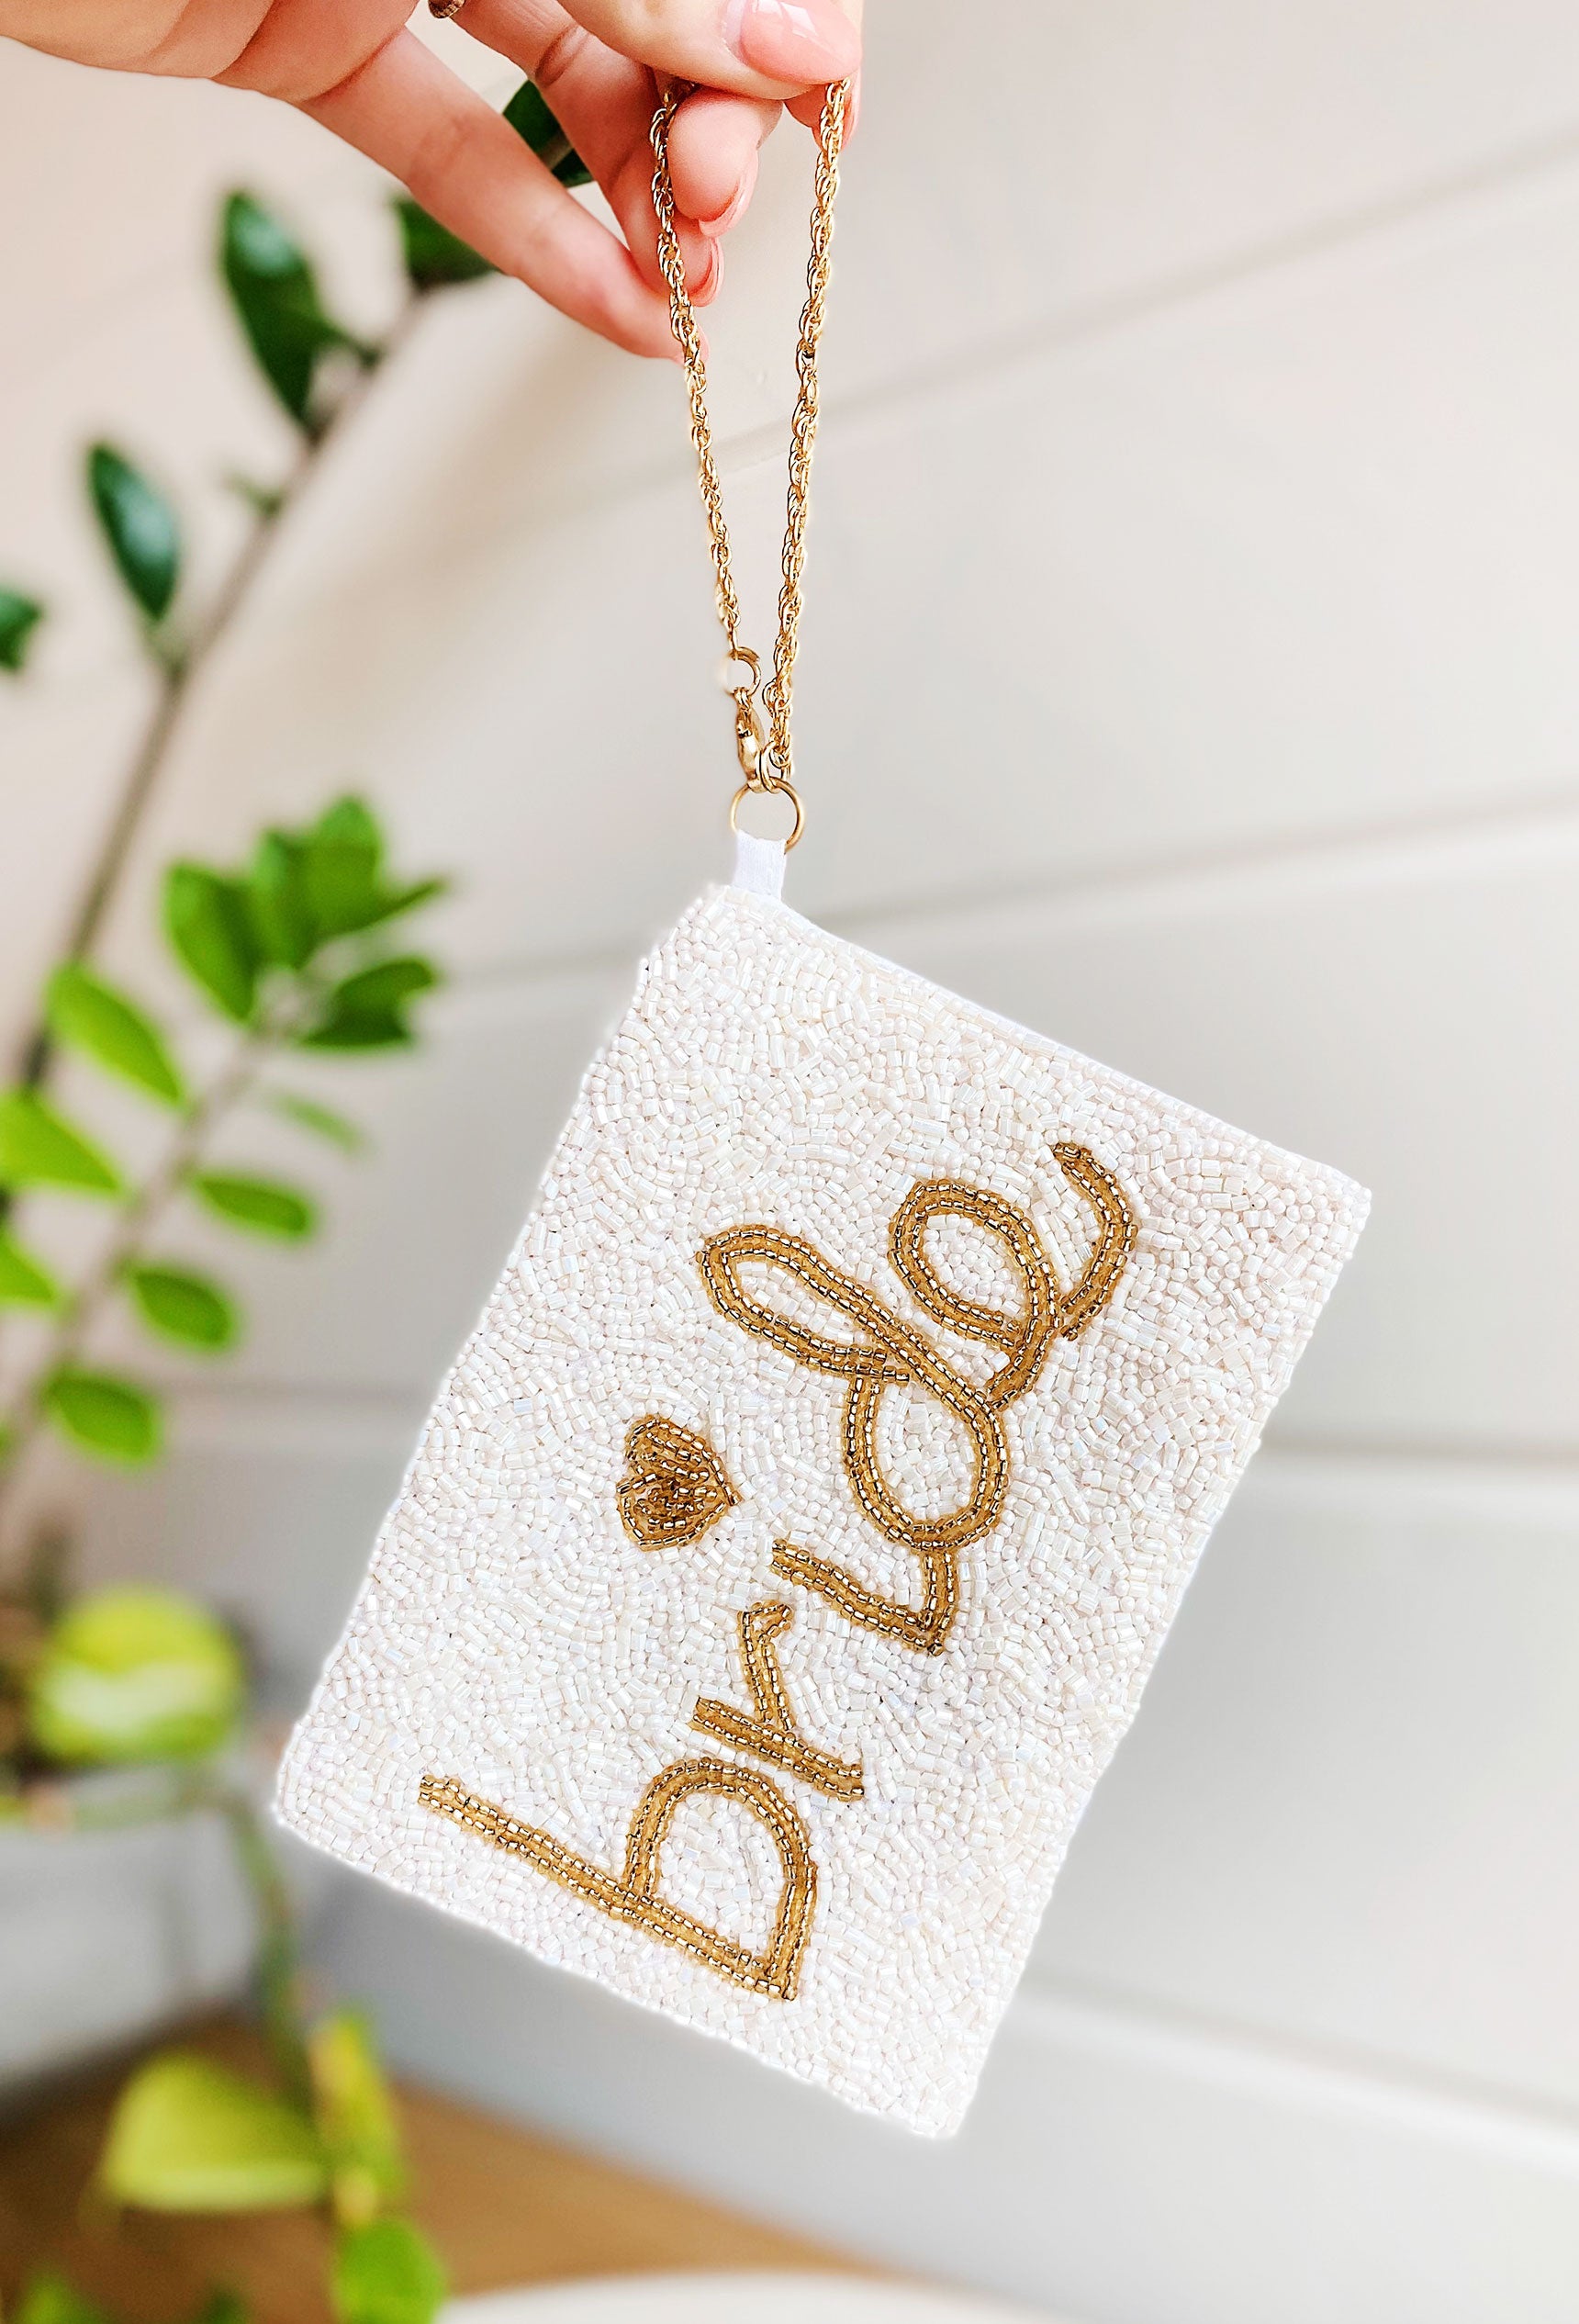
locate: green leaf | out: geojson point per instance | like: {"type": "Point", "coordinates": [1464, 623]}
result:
{"type": "Point", "coordinates": [384, 985]}
{"type": "Point", "coordinates": [257, 1204]}
{"type": "Point", "coordinates": [529, 116]}
{"type": "Point", "coordinates": [351, 821]}
{"type": "Point", "coordinates": [140, 527]}
{"type": "Point", "coordinates": [208, 921]}
{"type": "Point", "coordinates": [191, 2136]}
{"type": "Point", "coordinates": [134, 1674]}
{"type": "Point", "coordinates": [89, 1015]}
{"type": "Point", "coordinates": [19, 617]}
{"type": "Point", "coordinates": [366, 1011]}
{"type": "Point", "coordinates": [23, 1282]}
{"type": "Point", "coordinates": [394, 901]}
{"type": "Point", "coordinates": [282, 909]}
{"type": "Point", "coordinates": [340, 877]}
{"type": "Point", "coordinates": [381, 905]}
{"type": "Point", "coordinates": [308, 1114]}
{"type": "Point", "coordinates": [39, 1148]}
{"type": "Point", "coordinates": [387, 2273]}
{"type": "Point", "coordinates": [276, 295]}
{"type": "Point", "coordinates": [434, 257]}
{"type": "Point", "coordinates": [355, 2116]}
{"type": "Point", "coordinates": [342, 857]}
{"type": "Point", "coordinates": [184, 1306]}
{"type": "Point", "coordinates": [113, 1419]}
{"type": "Point", "coordinates": [50, 2299]}
{"type": "Point", "coordinates": [373, 1028]}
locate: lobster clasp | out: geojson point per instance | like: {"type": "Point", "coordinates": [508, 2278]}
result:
{"type": "Point", "coordinates": [750, 741]}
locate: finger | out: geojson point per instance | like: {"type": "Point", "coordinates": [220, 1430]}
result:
{"type": "Point", "coordinates": [754, 48]}
{"type": "Point", "coordinates": [713, 144]}
{"type": "Point", "coordinates": [605, 105]}
{"type": "Point", "coordinates": [410, 113]}
{"type": "Point", "coordinates": [808, 109]}
{"type": "Point", "coordinates": [724, 179]}
{"type": "Point", "coordinates": [630, 192]}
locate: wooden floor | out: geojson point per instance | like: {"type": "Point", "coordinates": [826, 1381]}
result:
{"type": "Point", "coordinates": [502, 2206]}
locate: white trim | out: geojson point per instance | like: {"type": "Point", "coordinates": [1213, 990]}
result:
{"type": "Point", "coordinates": [1341, 2087]}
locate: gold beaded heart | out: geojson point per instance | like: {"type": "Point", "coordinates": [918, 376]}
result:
{"type": "Point", "coordinates": [675, 1486]}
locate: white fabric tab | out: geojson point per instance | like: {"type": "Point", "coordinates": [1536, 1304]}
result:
{"type": "Point", "coordinates": [758, 866]}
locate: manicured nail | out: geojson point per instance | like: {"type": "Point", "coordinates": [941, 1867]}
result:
{"type": "Point", "coordinates": [705, 285]}
{"type": "Point", "coordinates": [799, 43]}
{"type": "Point", "coordinates": [718, 227]}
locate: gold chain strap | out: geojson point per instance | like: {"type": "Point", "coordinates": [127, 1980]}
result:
{"type": "Point", "coordinates": [763, 749]}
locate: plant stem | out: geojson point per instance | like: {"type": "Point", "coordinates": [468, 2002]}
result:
{"type": "Point", "coordinates": [27, 1415]}
{"type": "Point", "coordinates": [178, 674]}
{"type": "Point", "coordinates": [279, 1959]}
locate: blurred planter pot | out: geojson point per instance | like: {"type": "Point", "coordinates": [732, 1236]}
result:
{"type": "Point", "coordinates": [122, 1909]}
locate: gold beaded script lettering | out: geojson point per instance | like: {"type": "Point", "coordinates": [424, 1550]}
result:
{"type": "Point", "coordinates": [770, 1730]}
{"type": "Point", "coordinates": [891, 1355]}
{"type": "Point", "coordinates": [675, 1488]}
{"type": "Point", "coordinates": [634, 1897]}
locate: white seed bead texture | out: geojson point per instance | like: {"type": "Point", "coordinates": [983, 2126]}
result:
{"type": "Point", "coordinates": [514, 1639]}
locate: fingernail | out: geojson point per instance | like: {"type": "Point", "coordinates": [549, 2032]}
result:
{"type": "Point", "coordinates": [797, 41]}
{"type": "Point", "coordinates": [703, 274]}
{"type": "Point", "coordinates": [721, 225]}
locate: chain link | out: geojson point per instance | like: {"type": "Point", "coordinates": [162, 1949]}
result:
{"type": "Point", "coordinates": [761, 709]}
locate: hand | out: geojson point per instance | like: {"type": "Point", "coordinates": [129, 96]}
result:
{"type": "Point", "coordinates": [353, 65]}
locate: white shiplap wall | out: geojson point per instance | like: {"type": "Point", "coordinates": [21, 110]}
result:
{"type": "Point", "coordinates": [1191, 671]}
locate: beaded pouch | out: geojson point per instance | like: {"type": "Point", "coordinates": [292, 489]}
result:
{"type": "Point", "coordinates": [787, 1550]}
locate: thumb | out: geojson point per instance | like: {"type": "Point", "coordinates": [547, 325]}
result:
{"type": "Point", "coordinates": [755, 47]}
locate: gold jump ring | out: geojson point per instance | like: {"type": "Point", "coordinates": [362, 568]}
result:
{"type": "Point", "coordinates": [766, 790]}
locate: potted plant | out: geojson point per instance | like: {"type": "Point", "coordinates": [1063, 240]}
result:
{"type": "Point", "coordinates": [127, 1820]}
{"type": "Point", "coordinates": [113, 1708]}
{"type": "Point", "coordinates": [295, 951]}
{"type": "Point", "coordinates": [148, 1685]}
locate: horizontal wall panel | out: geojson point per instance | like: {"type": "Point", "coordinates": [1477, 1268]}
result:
{"type": "Point", "coordinates": [1294, 560]}
{"type": "Point", "coordinates": [1347, 1811]}
{"type": "Point", "coordinates": [1066, 156]}
{"type": "Point", "coordinates": [1404, 1030]}
{"type": "Point", "coordinates": [1294, 564]}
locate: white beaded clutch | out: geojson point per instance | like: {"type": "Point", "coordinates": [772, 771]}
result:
{"type": "Point", "coordinates": [788, 1549]}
